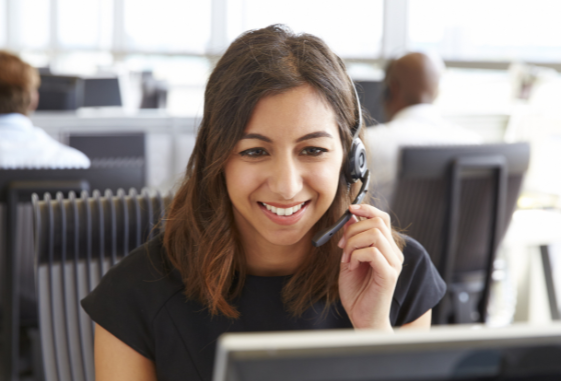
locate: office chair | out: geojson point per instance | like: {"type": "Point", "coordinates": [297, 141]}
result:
{"type": "Point", "coordinates": [457, 201]}
{"type": "Point", "coordinates": [77, 241]}
{"type": "Point", "coordinates": [120, 149]}
{"type": "Point", "coordinates": [18, 301]}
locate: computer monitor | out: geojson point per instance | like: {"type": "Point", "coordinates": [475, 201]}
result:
{"type": "Point", "coordinates": [60, 92]}
{"type": "Point", "coordinates": [101, 92]}
{"type": "Point", "coordinates": [444, 353]}
{"type": "Point", "coordinates": [371, 94]}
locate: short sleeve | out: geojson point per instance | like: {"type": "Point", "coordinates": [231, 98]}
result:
{"type": "Point", "coordinates": [419, 287]}
{"type": "Point", "coordinates": [130, 296]}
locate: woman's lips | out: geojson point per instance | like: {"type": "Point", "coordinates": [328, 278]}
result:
{"type": "Point", "coordinates": [285, 220]}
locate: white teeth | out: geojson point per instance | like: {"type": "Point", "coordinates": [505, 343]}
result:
{"type": "Point", "coordinates": [283, 211]}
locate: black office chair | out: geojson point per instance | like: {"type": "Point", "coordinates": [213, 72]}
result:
{"type": "Point", "coordinates": [18, 306]}
{"type": "Point", "coordinates": [457, 201]}
{"type": "Point", "coordinates": [77, 241]}
{"type": "Point", "coordinates": [119, 149]}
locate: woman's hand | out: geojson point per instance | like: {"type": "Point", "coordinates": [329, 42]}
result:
{"type": "Point", "coordinates": [370, 266]}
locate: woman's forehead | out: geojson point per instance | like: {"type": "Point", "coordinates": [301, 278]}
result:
{"type": "Point", "coordinates": [291, 114]}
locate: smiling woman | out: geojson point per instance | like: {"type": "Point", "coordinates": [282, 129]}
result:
{"type": "Point", "coordinates": [237, 255]}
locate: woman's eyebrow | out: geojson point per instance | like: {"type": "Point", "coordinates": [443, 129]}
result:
{"type": "Point", "coordinates": [257, 136]}
{"type": "Point", "coordinates": [315, 135]}
{"type": "Point", "coordinates": [312, 135]}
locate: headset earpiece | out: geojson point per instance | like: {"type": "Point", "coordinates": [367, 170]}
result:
{"type": "Point", "coordinates": [357, 154]}
{"type": "Point", "coordinates": [357, 162]}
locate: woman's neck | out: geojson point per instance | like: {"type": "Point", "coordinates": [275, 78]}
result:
{"type": "Point", "coordinates": [266, 259]}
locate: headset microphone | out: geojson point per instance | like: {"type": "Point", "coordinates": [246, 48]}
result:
{"type": "Point", "coordinates": [356, 170]}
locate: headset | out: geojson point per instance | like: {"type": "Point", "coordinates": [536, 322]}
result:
{"type": "Point", "coordinates": [356, 170]}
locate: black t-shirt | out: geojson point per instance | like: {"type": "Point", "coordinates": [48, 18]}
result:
{"type": "Point", "coordinates": [141, 301]}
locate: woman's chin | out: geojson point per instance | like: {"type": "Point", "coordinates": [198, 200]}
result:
{"type": "Point", "coordinates": [285, 239]}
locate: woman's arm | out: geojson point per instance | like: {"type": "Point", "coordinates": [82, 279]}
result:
{"type": "Point", "coordinates": [115, 360]}
{"type": "Point", "coordinates": [422, 323]}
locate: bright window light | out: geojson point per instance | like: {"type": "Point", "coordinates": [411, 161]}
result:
{"type": "Point", "coordinates": [352, 28]}
{"type": "Point", "coordinates": [85, 23]}
{"type": "Point", "coordinates": [502, 30]}
{"type": "Point", "coordinates": [167, 25]}
{"type": "Point", "coordinates": [31, 17]}
{"type": "Point", "coordinates": [3, 24]}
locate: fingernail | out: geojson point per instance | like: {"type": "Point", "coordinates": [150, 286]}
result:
{"type": "Point", "coordinates": [340, 243]}
{"type": "Point", "coordinates": [355, 206]}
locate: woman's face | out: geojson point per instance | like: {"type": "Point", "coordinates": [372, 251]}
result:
{"type": "Point", "coordinates": [283, 174]}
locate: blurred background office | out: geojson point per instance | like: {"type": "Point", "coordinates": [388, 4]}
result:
{"type": "Point", "coordinates": [150, 61]}
{"type": "Point", "coordinates": [123, 82]}
{"type": "Point", "coordinates": [502, 59]}
{"type": "Point", "coordinates": [137, 69]}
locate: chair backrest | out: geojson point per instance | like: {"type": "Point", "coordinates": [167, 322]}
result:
{"type": "Point", "coordinates": [77, 241]}
{"type": "Point", "coordinates": [16, 258]}
{"type": "Point", "coordinates": [457, 201]}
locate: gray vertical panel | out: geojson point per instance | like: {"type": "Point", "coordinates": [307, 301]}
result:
{"type": "Point", "coordinates": [125, 210]}
{"type": "Point", "coordinates": [112, 228]}
{"type": "Point", "coordinates": [77, 276]}
{"type": "Point", "coordinates": [62, 323]}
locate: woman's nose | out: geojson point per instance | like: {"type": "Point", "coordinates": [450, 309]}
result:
{"type": "Point", "coordinates": [286, 179]}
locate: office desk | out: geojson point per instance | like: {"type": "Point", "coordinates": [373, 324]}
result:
{"type": "Point", "coordinates": [529, 230]}
{"type": "Point", "coordinates": [169, 139]}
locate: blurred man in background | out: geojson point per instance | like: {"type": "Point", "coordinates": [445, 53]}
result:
{"type": "Point", "coordinates": [411, 86]}
{"type": "Point", "coordinates": [21, 144]}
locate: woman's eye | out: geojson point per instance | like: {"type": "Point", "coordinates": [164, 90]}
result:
{"type": "Point", "coordinates": [313, 151]}
{"type": "Point", "coordinates": [254, 152]}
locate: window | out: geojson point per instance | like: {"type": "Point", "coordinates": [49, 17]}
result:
{"type": "Point", "coordinates": [30, 23]}
{"type": "Point", "coordinates": [501, 30]}
{"type": "Point", "coordinates": [167, 25]}
{"type": "Point", "coordinates": [352, 28]}
{"type": "Point", "coordinates": [85, 24]}
{"type": "Point", "coordinates": [3, 23]}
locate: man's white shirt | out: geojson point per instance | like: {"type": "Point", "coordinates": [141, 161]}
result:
{"type": "Point", "coordinates": [23, 145]}
{"type": "Point", "coordinates": [418, 125]}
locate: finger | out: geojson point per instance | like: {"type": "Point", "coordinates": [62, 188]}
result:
{"type": "Point", "coordinates": [350, 222]}
{"type": "Point", "coordinates": [368, 211]}
{"type": "Point", "coordinates": [372, 223]}
{"type": "Point", "coordinates": [373, 257]}
{"type": "Point", "coordinates": [373, 238]}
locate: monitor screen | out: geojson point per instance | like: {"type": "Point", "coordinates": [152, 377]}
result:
{"type": "Point", "coordinates": [371, 94]}
{"type": "Point", "coordinates": [59, 92]}
{"type": "Point", "coordinates": [444, 353]}
{"type": "Point", "coordinates": [101, 92]}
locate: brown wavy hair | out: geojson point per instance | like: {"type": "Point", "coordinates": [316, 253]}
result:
{"type": "Point", "coordinates": [17, 81]}
{"type": "Point", "coordinates": [201, 238]}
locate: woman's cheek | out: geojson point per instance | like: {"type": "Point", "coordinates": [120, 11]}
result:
{"type": "Point", "coordinates": [326, 181]}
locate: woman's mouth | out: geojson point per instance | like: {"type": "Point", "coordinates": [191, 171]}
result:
{"type": "Point", "coordinates": [284, 211]}
{"type": "Point", "coordinates": [284, 216]}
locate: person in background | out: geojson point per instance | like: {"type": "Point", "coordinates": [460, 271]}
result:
{"type": "Point", "coordinates": [411, 86]}
{"type": "Point", "coordinates": [23, 145]}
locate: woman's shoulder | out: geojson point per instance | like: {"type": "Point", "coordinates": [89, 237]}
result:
{"type": "Point", "coordinates": [417, 261]}
{"type": "Point", "coordinates": [419, 287]}
{"type": "Point", "coordinates": [145, 273]}
{"type": "Point", "coordinates": [131, 294]}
